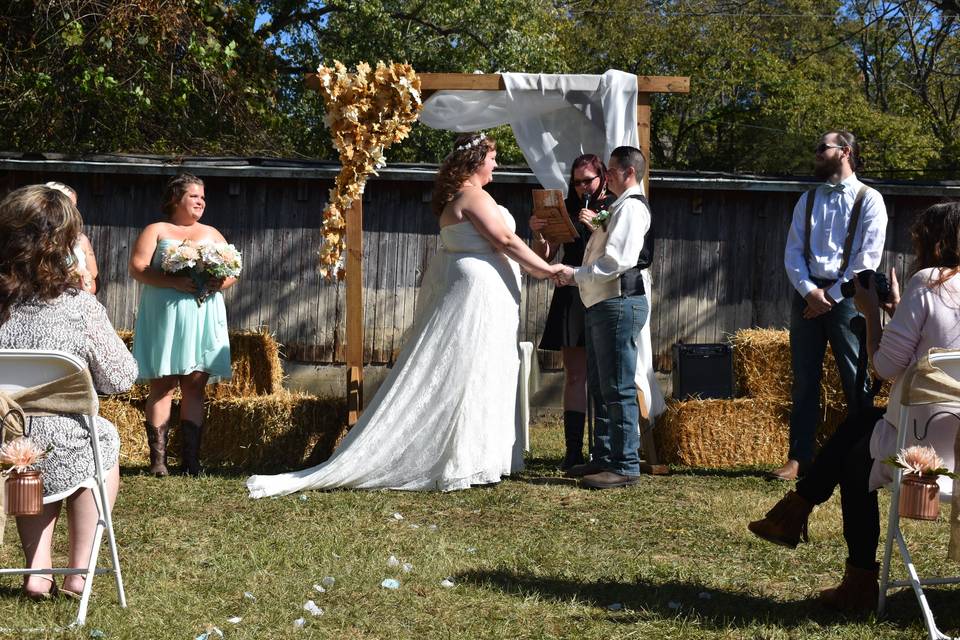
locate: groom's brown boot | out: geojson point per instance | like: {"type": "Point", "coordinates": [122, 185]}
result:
{"type": "Point", "coordinates": [585, 469]}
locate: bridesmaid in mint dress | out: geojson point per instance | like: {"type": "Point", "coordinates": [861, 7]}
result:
{"type": "Point", "coordinates": [176, 341]}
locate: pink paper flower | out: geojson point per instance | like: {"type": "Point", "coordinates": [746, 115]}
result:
{"type": "Point", "coordinates": [922, 461]}
{"type": "Point", "coordinates": [21, 454]}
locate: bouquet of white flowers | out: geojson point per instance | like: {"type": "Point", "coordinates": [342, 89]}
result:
{"type": "Point", "coordinates": [202, 261]}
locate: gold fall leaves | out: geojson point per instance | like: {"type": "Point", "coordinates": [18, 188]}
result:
{"type": "Point", "coordinates": [367, 111]}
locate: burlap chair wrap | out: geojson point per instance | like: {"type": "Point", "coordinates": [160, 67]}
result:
{"type": "Point", "coordinates": [925, 383]}
{"type": "Point", "coordinates": [71, 394]}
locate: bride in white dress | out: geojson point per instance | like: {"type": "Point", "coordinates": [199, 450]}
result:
{"type": "Point", "coordinates": [444, 417]}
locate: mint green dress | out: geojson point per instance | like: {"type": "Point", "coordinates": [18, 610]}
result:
{"type": "Point", "coordinates": [174, 336]}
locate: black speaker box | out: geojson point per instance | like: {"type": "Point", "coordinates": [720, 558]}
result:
{"type": "Point", "coordinates": [702, 371]}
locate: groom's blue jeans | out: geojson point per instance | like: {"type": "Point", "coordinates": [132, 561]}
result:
{"type": "Point", "coordinates": [612, 331]}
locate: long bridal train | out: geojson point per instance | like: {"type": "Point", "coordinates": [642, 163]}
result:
{"type": "Point", "coordinates": [445, 417]}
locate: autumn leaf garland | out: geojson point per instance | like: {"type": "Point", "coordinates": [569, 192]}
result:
{"type": "Point", "coordinates": [367, 111]}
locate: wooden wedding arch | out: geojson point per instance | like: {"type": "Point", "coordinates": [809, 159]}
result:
{"type": "Point", "coordinates": [429, 84]}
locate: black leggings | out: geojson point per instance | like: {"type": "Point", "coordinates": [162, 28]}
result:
{"type": "Point", "coordinates": [845, 461]}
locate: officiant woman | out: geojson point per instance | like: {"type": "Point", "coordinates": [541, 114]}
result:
{"type": "Point", "coordinates": [586, 195]}
{"type": "Point", "coordinates": [178, 341]}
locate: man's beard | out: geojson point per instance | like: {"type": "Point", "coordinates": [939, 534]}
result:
{"type": "Point", "coordinates": [826, 167]}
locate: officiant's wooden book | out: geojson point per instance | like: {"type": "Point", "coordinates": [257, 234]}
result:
{"type": "Point", "coordinates": [548, 205]}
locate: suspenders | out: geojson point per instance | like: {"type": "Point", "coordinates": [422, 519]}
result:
{"type": "Point", "coordinates": [851, 228]}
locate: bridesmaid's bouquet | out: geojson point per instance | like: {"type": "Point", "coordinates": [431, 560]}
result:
{"type": "Point", "coordinates": [202, 261]}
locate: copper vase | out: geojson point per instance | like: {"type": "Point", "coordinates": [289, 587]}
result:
{"type": "Point", "coordinates": [24, 493]}
{"type": "Point", "coordinates": [919, 497]}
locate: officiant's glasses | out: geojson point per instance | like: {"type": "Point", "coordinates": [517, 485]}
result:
{"type": "Point", "coordinates": [585, 182]}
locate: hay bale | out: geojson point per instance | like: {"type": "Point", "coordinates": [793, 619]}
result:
{"type": "Point", "coordinates": [127, 416]}
{"type": "Point", "coordinates": [761, 362]}
{"type": "Point", "coordinates": [282, 430]}
{"type": "Point", "coordinates": [257, 371]}
{"type": "Point", "coordinates": [728, 433]}
{"type": "Point", "coordinates": [722, 433]}
{"type": "Point", "coordinates": [279, 430]}
{"type": "Point", "coordinates": [254, 358]}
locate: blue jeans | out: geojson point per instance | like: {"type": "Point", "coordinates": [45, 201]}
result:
{"type": "Point", "coordinates": [808, 345]}
{"type": "Point", "coordinates": [612, 331]}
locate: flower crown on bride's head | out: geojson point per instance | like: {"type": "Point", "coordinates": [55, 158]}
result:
{"type": "Point", "coordinates": [473, 142]}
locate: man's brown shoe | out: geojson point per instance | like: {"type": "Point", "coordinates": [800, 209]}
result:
{"type": "Point", "coordinates": [607, 480]}
{"type": "Point", "coordinates": [585, 469]}
{"type": "Point", "coordinates": [787, 472]}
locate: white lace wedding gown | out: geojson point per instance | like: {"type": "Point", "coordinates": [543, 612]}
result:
{"type": "Point", "coordinates": [444, 418]}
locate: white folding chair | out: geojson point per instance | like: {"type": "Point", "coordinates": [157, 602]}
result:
{"type": "Point", "coordinates": [24, 369]}
{"type": "Point", "coordinates": [946, 389]}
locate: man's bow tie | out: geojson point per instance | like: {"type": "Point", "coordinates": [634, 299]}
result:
{"type": "Point", "coordinates": [833, 188]}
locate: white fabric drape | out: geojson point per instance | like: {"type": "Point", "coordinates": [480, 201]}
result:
{"type": "Point", "coordinates": [556, 118]}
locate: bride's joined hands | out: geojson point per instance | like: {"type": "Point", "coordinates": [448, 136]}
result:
{"type": "Point", "coordinates": [564, 276]}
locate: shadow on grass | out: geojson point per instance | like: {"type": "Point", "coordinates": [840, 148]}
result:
{"type": "Point", "coordinates": [215, 472]}
{"type": "Point", "coordinates": [722, 609]}
{"type": "Point", "coordinates": [746, 472]}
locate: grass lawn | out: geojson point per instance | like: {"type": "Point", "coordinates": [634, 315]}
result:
{"type": "Point", "coordinates": [670, 558]}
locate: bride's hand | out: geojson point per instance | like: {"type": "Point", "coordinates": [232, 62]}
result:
{"type": "Point", "coordinates": [563, 276]}
{"type": "Point", "coordinates": [550, 272]}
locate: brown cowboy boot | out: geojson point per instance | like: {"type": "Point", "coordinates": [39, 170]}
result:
{"type": "Point", "coordinates": [190, 436]}
{"type": "Point", "coordinates": [157, 441]}
{"type": "Point", "coordinates": [858, 591]}
{"type": "Point", "coordinates": [786, 523]}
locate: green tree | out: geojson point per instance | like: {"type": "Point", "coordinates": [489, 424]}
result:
{"type": "Point", "coordinates": [764, 86]}
{"type": "Point", "coordinates": [432, 35]}
{"type": "Point", "coordinates": [168, 76]}
{"type": "Point", "coordinates": [908, 53]}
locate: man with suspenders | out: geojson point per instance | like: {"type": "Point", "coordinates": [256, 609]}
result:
{"type": "Point", "coordinates": [611, 287]}
{"type": "Point", "coordinates": [838, 230]}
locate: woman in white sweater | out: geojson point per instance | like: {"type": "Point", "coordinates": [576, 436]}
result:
{"type": "Point", "coordinates": [927, 316]}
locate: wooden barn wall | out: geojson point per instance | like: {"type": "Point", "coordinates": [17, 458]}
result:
{"type": "Point", "coordinates": [717, 267]}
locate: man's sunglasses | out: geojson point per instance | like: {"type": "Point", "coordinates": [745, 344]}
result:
{"type": "Point", "coordinates": [823, 146]}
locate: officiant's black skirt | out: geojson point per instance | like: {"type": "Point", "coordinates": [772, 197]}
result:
{"type": "Point", "coordinates": [564, 326]}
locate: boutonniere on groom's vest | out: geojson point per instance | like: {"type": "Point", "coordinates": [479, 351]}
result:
{"type": "Point", "coordinates": [602, 219]}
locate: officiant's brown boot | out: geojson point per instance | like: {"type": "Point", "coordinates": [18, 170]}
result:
{"type": "Point", "coordinates": [786, 523]}
{"type": "Point", "coordinates": [157, 441]}
{"type": "Point", "coordinates": [858, 591]}
{"type": "Point", "coordinates": [190, 437]}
